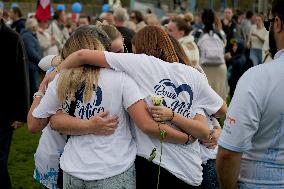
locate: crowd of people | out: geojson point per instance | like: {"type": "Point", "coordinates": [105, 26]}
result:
{"type": "Point", "coordinates": [86, 85]}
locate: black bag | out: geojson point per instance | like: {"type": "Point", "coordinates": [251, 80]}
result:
{"type": "Point", "coordinates": [71, 113]}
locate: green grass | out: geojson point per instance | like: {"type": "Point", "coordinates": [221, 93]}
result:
{"type": "Point", "coordinates": [21, 159]}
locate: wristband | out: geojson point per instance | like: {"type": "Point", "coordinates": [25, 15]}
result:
{"type": "Point", "coordinates": [172, 116]}
{"type": "Point", "coordinates": [190, 139]}
{"type": "Point", "coordinates": [38, 95]}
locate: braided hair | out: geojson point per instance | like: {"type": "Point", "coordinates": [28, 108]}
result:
{"type": "Point", "coordinates": [154, 41]}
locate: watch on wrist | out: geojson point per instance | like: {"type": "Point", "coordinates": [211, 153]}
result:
{"type": "Point", "coordinates": [38, 95]}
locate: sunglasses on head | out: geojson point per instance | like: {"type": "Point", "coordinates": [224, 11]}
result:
{"type": "Point", "coordinates": [268, 23]}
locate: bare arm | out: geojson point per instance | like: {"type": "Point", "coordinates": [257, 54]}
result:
{"type": "Point", "coordinates": [100, 124]}
{"type": "Point", "coordinates": [259, 37]}
{"type": "Point", "coordinates": [197, 127]}
{"type": "Point", "coordinates": [138, 112]}
{"type": "Point", "coordinates": [85, 56]}
{"type": "Point", "coordinates": [228, 167]}
{"type": "Point", "coordinates": [222, 111]}
{"type": "Point", "coordinates": [35, 125]}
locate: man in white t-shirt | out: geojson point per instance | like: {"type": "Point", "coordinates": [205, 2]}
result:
{"type": "Point", "coordinates": [184, 90]}
{"type": "Point", "coordinates": [251, 146]}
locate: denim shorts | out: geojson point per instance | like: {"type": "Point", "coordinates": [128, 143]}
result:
{"type": "Point", "coordinates": [125, 180]}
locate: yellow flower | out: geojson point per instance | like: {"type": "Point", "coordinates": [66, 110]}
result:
{"type": "Point", "coordinates": [157, 100]}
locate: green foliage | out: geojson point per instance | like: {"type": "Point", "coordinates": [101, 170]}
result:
{"type": "Point", "coordinates": [21, 159]}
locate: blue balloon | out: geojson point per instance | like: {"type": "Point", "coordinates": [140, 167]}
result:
{"type": "Point", "coordinates": [61, 7]}
{"type": "Point", "coordinates": [76, 7]}
{"type": "Point", "coordinates": [13, 5]}
{"type": "Point", "coordinates": [1, 5]}
{"type": "Point", "coordinates": [105, 8]}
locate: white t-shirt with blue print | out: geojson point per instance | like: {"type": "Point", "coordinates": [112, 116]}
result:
{"type": "Point", "coordinates": [94, 157]}
{"type": "Point", "coordinates": [255, 125]}
{"type": "Point", "coordinates": [184, 89]}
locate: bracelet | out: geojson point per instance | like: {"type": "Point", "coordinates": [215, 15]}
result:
{"type": "Point", "coordinates": [172, 116]}
{"type": "Point", "coordinates": [190, 139]}
{"type": "Point", "coordinates": [38, 95]}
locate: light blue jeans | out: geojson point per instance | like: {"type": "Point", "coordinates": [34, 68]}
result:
{"type": "Point", "coordinates": [125, 180]}
{"type": "Point", "coordinates": [256, 56]}
{"type": "Point", "coordinates": [255, 186]}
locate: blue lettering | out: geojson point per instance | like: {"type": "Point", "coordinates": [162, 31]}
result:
{"type": "Point", "coordinates": [161, 90]}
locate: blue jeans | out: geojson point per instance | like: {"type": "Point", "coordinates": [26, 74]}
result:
{"type": "Point", "coordinates": [6, 133]}
{"type": "Point", "coordinates": [125, 180]}
{"type": "Point", "coordinates": [256, 56]}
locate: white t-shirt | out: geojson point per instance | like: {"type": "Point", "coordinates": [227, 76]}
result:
{"type": "Point", "coordinates": [256, 43]}
{"type": "Point", "coordinates": [50, 146]}
{"type": "Point", "coordinates": [255, 124]}
{"type": "Point", "coordinates": [206, 153]}
{"type": "Point", "coordinates": [184, 89]}
{"type": "Point", "coordinates": [94, 157]}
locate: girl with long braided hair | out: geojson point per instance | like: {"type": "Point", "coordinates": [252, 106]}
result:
{"type": "Point", "coordinates": [185, 92]}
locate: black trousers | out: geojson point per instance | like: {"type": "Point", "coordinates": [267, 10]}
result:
{"type": "Point", "coordinates": [147, 176]}
{"type": "Point", "coordinates": [6, 133]}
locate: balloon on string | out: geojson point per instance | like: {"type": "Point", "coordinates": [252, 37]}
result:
{"type": "Point", "coordinates": [1, 5]}
{"type": "Point", "coordinates": [51, 10]}
{"type": "Point", "coordinates": [105, 8]}
{"type": "Point", "coordinates": [61, 7]}
{"type": "Point", "coordinates": [76, 7]}
{"type": "Point", "coordinates": [13, 5]}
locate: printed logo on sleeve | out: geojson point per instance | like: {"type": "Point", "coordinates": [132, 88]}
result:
{"type": "Point", "coordinates": [230, 120]}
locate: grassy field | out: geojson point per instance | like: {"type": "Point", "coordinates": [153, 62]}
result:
{"type": "Point", "coordinates": [21, 159]}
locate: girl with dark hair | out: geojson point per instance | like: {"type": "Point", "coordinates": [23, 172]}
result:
{"type": "Point", "coordinates": [212, 59]}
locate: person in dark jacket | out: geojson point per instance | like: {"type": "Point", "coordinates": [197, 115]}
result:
{"type": "Point", "coordinates": [15, 94]}
{"type": "Point", "coordinates": [34, 53]}
{"type": "Point", "coordinates": [18, 22]}
{"type": "Point", "coordinates": [237, 63]}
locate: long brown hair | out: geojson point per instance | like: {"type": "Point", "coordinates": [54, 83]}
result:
{"type": "Point", "coordinates": [73, 79]}
{"type": "Point", "coordinates": [154, 41]}
{"type": "Point", "coordinates": [180, 52]}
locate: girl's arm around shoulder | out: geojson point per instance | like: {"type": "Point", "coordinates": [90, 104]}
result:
{"type": "Point", "coordinates": [84, 56]}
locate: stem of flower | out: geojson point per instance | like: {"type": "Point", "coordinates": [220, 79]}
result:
{"type": "Point", "coordinates": [159, 172]}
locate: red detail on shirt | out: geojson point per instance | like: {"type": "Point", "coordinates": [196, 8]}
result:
{"type": "Point", "coordinates": [231, 120]}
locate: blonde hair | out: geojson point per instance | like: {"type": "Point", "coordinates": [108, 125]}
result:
{"type": "Point", "coordinates": [111, 31]}
{"type": "Point", "coordinates": [72, 80]}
